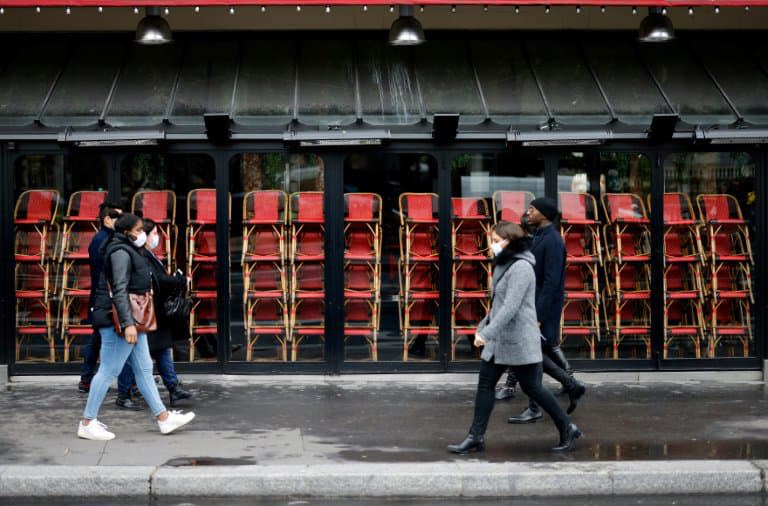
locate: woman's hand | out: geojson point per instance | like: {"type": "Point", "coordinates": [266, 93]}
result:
{"type": "Point", "coordinates": [479, 341]}
{"type": "Point", "coordinates": [131, 336]}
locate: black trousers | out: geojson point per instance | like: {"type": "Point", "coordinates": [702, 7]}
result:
{"type": "Point", "coordinates": [529, 377]}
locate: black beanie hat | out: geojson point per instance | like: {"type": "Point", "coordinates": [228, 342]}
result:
{"type": "Point", "coordinates": [547, 207]}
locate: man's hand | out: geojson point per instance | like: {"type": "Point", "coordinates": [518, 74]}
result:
{"type": "Point", "coordinates": [131, 336]}
{"type": "Point", "coordinates": [479, 341]}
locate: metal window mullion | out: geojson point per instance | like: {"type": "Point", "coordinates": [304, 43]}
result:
{"type": "Point", "coordinates": [700, 61]}
{"type": "Point", "coordinates": [113, 88]}
{"type": "Point", "coordinates": [596, 79]}
{"type": "Point", "coordinates": [176, 81]}
{"type": "Point", "coordinates": [55, 83]}
{"type": "Point", "coordinates": [657, 259]}
{"type": "Point", "coordinates": [236, 82]}
{"type": "Point", "coordinates": [655, 80]}
{"type": "Point", "coordinates": [223, 219]}
{"type": "Point", "coordinates": [355, 68]}
{"type": "Point", "coordinates": [527, 58]}
{"type": "Point", "coordinates": [477, 80]}
{"type": "Point", "coordinates": [445, 260]}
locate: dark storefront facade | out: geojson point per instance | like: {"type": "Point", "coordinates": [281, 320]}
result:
{"type": "Point", "coordinates": [335, 225]}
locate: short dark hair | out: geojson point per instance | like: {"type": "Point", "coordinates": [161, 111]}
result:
{"type": "Point", "coordinates": [109, 209]}
{"type": "Point", "coordinates": [126, 222]}
{"type": "Point", "coordinates": [149, 224]}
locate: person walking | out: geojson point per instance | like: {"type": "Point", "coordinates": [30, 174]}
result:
{"type": "Point", "coordinates": [161, 340]}
{"type": "Point", "coordinates": [126, 271]}
{"type": "Point", "coordinates": [510, 337]}
{"type": "Point", "coordinates": [549, 250]}
{"type": "Point", "coordinates": [109, 212]}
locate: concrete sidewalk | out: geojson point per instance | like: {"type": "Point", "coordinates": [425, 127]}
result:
{"type": "Point", "coordinates": [382, 436]}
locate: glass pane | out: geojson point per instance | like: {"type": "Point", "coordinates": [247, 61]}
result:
{"type": "Point", "coordinates": [142, 93]}
{"type": "Point", "coordinates": [630, 90]}
{"type": "Point", "coordinates": [447, 61]}
{"type": "Point", "coordinates": [326, 83]}
{"type": "Point", "coordinates": [84, 86]}
{"type": "Point", "coordinates": [569, 87]}
{"type": "Point", "coordinates": [390, 259]}
{"type": "Point", "coordinates": [740, 75]}
{"type": "Point", "coordinates": [486, 189]}
{"type": "Point", "coordinates": [206, 81]}
{"type": "Point", "coordinates": [277, 258]}
{"type": "Point", "coordinates": [691, 91]}
{"type": "Point", "coordinates": [605, 224]}
{"type": "Point", "coordinates": [55, 220]}
{"type": "Point", "coordinates": [508, 85]}
{"type": "Point", "coordinates": [177, 192]}
{"type": "Point", "coordinates": [709, 212]}
{"type": "Point", "coordinates": [388, 89]}
{"type": "Point", "coordinates": [27, 79]}
{"type": "Point", "coordinates": [261, 101]}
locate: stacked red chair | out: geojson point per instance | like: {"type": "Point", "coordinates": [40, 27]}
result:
{"type": "Point", "coordinates": [511, 205]}
{"type": "Point", "coordinates": [627, 271]}
{"type": "Point", "coordinates": [580, 229]}
{"type": "Point", "coordinates": [362, 268]}
{"type": "Point", "coordinates": [728, 252]}
{"type": "Point", "coordinates": [35, 232]}
{"type": "Point", "coordinates": [471, 275]}
{"type": "Point", "coordinates": [418, 268]}
{"type": "Point", "coordinates": [160, 206]}
{"type": "Point", "coordinates": [683, 257]}
{"type": "Point", "coordinates": [81, 223]}
{"type": "Point", "coordinates": [265, 293]}
{"type": "Point", "coordinates": [201, 265]}
{"type": "Point", "coordinates": [307, 267]}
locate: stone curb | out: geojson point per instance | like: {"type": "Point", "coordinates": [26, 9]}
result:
{"type": "Point", "coordinates": [440, 479]}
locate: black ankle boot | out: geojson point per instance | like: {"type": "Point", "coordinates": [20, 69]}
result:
{"type": "Point", "coordinates": [530, 415]}
{"type": "Point", "coordinates": [567, 437]}
{"type": "Point", "coordinates": [125, 402]}
{"type": "Point", "coordinates": [178, 394]}
{"type": "Point", "coordinates": [575, 393]}
{"type": "Point", "coordinates": [471, 443]}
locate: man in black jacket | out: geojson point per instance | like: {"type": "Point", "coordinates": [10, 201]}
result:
{"type": "Point", "coordinates": [549, 250]}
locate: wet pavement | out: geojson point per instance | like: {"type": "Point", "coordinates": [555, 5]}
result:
{"type": "Point", "coordinates": [242, 420]}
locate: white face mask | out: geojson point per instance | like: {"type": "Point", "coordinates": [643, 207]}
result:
{"type": "Point", "coordinates": [498, 247]}
{"type": "Point", "coordinates": [140, 240]}
{"type": "Point", "coordinates": [154, 241]}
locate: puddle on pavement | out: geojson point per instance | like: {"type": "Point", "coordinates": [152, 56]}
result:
{"type": "Point", "coordinates": [207, 461]}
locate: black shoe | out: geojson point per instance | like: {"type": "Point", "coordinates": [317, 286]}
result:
{"type": "Point", "coordinates": [571, 434]}
{"type": "Point", "coordinates": [505, 392]}
{"type": "Point", "coordinates": [575, 394]}
{"type": "Point", "coordinates": [527, 416]}
{"type": "Point", "coordinates": [127, 403]}
{"type": "Point", "coordinates": [471, 443]}
{"type": "Point", "coordinates": [83, 387]}
{"type": "Point", "coordinates": [178, 394]}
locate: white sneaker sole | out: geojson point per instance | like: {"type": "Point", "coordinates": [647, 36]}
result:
{"type": "Point", "coordinates": [167, 430]}
{"type": "Point", "coordinates": [91, 437]}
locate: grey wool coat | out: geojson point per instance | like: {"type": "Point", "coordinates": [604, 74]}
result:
{"type": "Point", "coordinates": [510, 330]}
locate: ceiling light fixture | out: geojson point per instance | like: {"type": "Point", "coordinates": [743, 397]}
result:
{"type": "Point", "coordinates": [406, 30]}
{"type": "Point", "coordinates": [153, 30]}
{"type": "Point", "coordinates": [656, 27]}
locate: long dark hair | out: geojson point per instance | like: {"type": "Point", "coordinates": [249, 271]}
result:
{"type": "Point", "coordinates": [126, 222]}
{"type": "Point", "coordinates": [149, 225]}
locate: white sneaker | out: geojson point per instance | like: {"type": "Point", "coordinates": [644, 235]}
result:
{"type": "Point", "coordinates": [175, 420]}
{"type": "Point", "coordinates": [95, 431]}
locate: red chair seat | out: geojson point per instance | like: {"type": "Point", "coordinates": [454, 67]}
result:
{"type": "Point", "coordinates": [683, 331]}
{"type": "Point", "coordinates": [28, 221]}
{"type": "Point", "coordinates": [471, 294]}
{"type": "Point", "coordinates": [634, 331]}
{"type": "Point", "coordinates": [635, 295]}
{"type": "Point", "coordinates": [728, 221]}
{"type": "Point", "coordinates": [310, 295]}
{"type": "Point", "coordinates": [265, 294]}
{"type": "Point", "coordinates": [257, 329]}
{"type": "Point", "coordinates": [579, 222]}
{"type": "Point", "coordinates": [28, 258]}
{"type": "Point", "coordinates": [578, 331]}
{"type": "Point", "coordinates": [30, 294]}
{"type": "Point", "coordinates": [683, 294]}
{"type": "Point", "coordinates": [580, 295]}
{"type": "Point", "coordinates": [32, 330]}
{"type": "Point", "coordinates": [733, 294]}
{"type": "Point", "coordinates": [730, 331]}
{"type": "Point", "coordinates": [203, 294]}
{"type": "Point", "coordinates": [424, 295]}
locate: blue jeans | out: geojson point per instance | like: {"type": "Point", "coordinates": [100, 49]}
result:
{"type": "Point", "coordinates": [115, 352]}
{"type": "Point", "coordinates": [164, 367]}
{"type": "Point", "coordinates": [91, 353]}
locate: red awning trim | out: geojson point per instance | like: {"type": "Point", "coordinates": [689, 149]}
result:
{"type": "Point", "coordinates": [522, 3]}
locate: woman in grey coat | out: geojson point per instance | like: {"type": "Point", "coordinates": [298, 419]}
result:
{"type": "Point", "coordinates": [511, 338]}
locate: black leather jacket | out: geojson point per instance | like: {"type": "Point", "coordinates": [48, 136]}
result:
{"type": "Point", "coordinates": [126, 270]}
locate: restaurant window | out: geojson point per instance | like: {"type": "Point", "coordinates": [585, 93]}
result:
{"type": "Point", "coordinates": [277, 257]}
{"type": "Point", "coordinates": [487, 189]}
{"type": "Point", "coordinates": [709, 214]}
{"type": "Point", "coordinates": [178, 193]}
{"type": "Point", "coordinates": [391, 283]}
{"type": "Point", "coordinates": [605, 225]}
{"type": "Point", "coordinates": [55, 218]}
